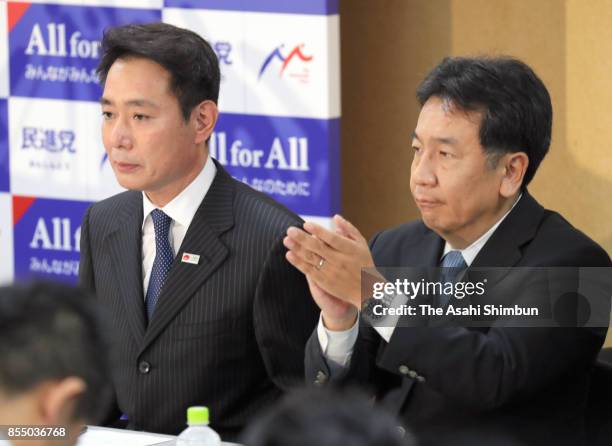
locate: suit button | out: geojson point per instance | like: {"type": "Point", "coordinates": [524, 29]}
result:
{"type": "Point", "coordinates": [404, 370]}
{"type": "Point", "coordinates": [401, 431]}
{"type": "Point", "coordinates": [420, 378]}
{"type": "Point", "coordinates": [321, 378]}
{"type": "Point", "coordinates": [144, 367]}
{"type": "Point", "coordinates": [412, 374]}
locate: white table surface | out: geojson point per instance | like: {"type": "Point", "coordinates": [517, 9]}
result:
{"type": "Point", "coordinates": [106, 436]}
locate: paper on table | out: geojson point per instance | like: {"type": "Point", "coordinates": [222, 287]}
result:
{"type": "Point", "coordinates": [101, 436]}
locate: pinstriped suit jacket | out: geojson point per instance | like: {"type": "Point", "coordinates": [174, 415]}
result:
{"type": "Point", "coordinates": [228, 333]}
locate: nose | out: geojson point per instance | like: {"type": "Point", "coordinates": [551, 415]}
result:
{"type": "Point", "coordinates": [120, 135]}
{"type": "Point", "coordinates": [423, 170]}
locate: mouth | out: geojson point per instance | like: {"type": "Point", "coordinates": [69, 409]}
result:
{"type": "Point", "coordinates": [426, 204]}
{"type": "Point", "coordinates": [125, 167]}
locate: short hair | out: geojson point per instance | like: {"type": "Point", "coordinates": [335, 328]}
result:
{"type": "Point", "coordinates": [189, 59]}
{"type": "Point", "coordinates": [514, 103]}
{"type": "Point", "coordinates": [51, 332]}
{"type": "Point", "coordinates": [325, 417]}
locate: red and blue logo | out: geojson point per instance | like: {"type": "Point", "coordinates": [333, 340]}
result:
{"type": "Point", "coordinates": [295, 63]}
{"type": "Point", "coordinates": [47, 236]}
{"type": "Point", "coordinates": [54, 49]}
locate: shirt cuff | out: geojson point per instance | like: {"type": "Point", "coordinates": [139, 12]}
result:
{"type": "Point", "coordinates": [386, 325]}
{"type": "Point", "coordinates": [337, 346]}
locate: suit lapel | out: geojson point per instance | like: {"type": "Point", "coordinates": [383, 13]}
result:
{"type": "Point", "coordinates": [430, 249]}
{"type": "Point", "coordinates": [518, 228]}
{"type": "Point", "coordinates": [502, 251]}
{"type": "Point", "coordinates": [425, 251]}
{"type": "Point", "coordinates": [213, 218]}
{"type": "Point", "coordinates": [423, 256]}
{"type": "Point", "coordinates": [125, 245]}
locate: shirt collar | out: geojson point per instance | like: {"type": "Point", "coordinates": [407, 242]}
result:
{"type": "Point", "coordinates": [470, 253]}
{"type": "Point", "coordinates": [183, 207]}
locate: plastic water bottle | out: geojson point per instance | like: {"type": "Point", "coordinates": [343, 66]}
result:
{"type": "Point", "coordinates": [198, 433]}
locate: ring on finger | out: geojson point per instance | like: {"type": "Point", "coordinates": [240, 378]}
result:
{"type": "Point", "coordinates": [319, 265]}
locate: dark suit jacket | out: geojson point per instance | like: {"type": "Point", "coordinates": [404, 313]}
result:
{"type": "Point", "coordinates": [228, 333]}
{"type": "Point", "coordinates": [530, 383]}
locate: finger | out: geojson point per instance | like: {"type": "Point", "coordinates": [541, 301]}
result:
{"type": "Point", "coordinates": [336, 241]}
{"type": "Point", "coordinates": [314, 286]}
{"type": "Point", "coordinates": [347, 227]}
{"type": "Point", "coordinates": [304, 267]}
{"type": "Point", "coordinates": [310, 243]}
{"type": "Point", "coordinates": [342, 231]}
{"type": "Point", "coordinates": [301, 252]}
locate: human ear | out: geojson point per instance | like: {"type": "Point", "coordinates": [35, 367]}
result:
{"type": "Point", "coordinates": [59, 399]}
{"type": "Point", "coordinates": [515, 167]}
{"type": "Point", "coordinates": [204, 117]}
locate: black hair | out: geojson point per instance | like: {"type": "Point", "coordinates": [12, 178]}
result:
{"type": "Point", "coordinates": [514, 103]}
{"type": "Point", "coordinates": [189, 59]}
{"type": "Point", "coordinates": [326, 417]}
{"type": "Point", "coordinates": [49, 332]}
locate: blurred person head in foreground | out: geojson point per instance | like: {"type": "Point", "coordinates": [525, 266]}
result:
{"type": "Point", "coordinates": [53, 367]}
{"type": "Point", "coordinates": [319, 417]}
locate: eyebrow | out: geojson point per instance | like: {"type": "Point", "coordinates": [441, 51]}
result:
{"type": "Point", "coordinates": [131, 102]}
{"type": "Point", "coordinates": [448, 141]}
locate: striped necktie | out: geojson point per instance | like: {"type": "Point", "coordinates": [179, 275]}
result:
{"type": "Point", "coordinates": [164, 257]}
{"type": "Point", "coordinates": [452, 265]}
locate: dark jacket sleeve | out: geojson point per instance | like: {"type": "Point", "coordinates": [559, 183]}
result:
{"type": "Point", "coordinates": [86, 274]}
{"type": "Point", "coordinates": [361, 371]}
{"type": "Point", "coordinates": [284, 316]}
{"type": "Point", "coordinates": [87, 282]}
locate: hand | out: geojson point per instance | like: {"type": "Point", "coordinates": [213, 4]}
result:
{"type": "Point", "coordinates": [337, 314]}
{"type": "Point", "coordinates": [344, 254]}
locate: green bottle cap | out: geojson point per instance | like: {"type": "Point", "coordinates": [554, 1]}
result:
{"type": "Point", "coordinates": [197, 415]}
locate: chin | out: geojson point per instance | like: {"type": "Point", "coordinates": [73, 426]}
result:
{"type": "Point", "coordinates": [428, 221]}
{"type": "Point", "coordinates": [432, 223]}
{"type": "Point", "coordinates": [129, 184]}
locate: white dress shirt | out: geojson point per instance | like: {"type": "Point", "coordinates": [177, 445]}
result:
{"type": "Point", "coordinates": [181, 210]}
{"type": "Point", "coordinates": [337, 346]}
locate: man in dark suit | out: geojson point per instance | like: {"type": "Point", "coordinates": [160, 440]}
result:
{"type": "Point", "coordinates": [483, 129]}
{"type": "Point", "coordinates": [189, 262]}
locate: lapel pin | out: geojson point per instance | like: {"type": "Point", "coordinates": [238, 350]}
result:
{"type": "Point", "coordinates": [194, 259]}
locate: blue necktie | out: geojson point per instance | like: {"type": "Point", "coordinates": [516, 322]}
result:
{"type": "Point", "coordinates": [452, 265]}
{"type": "Point", "coordinates": [163, 259]}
